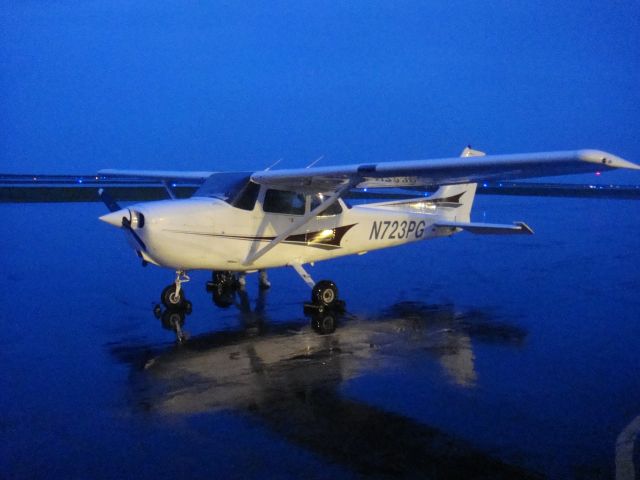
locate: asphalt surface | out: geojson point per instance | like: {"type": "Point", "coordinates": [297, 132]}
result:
{"type": "Point", "coordinates": [469, 357]}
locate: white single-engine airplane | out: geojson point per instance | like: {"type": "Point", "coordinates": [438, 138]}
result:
{"type": "Point", "coordinates": [238, 223]}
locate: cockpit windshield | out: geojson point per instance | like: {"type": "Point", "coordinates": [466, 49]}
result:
{"type": "Point", "coordinates": [223, 185]}
{"type": "Point", "coordinates": [235, 188]}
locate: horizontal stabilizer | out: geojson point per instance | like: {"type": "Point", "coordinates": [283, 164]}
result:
{"type": "Point", "coordinates": [489, 228]}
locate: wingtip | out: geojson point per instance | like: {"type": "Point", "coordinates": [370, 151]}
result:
{"type": "Point", "coordinates": [606, 159]}
{"type": "Point", "coordinates": [524, 228]}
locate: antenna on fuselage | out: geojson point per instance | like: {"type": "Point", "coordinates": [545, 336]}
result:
{"type": "Point", "coordinates": [315, 161]}
{"type": "Point", "coordinates": [273, 164]}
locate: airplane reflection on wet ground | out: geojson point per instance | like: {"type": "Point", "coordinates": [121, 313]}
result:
{"type": "Point", "coordinates": [289, 378]}
{"type": "Point", "coordinates": [475, 357]}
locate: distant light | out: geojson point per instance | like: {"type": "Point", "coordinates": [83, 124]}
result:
{"type": "Point", "coordinates": [485, 185]}
{"type": "Point", "coordinates": [79, 180]}
{"type": "Point", "coordinates": [500, 184]}
{"type": "Point", "coordinates": [173, 184]}
{"type": "Point", "coordinates": [365, 189]}
{"type": "Point", "coordinates": [598, 173]}
{"type": "Point", "coordinates": [35, 178]}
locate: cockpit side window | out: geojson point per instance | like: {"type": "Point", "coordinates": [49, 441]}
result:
{"type": "Point", "coordinates": [318, 198]}
{"type": "Point", "coordinates": [280, 201]}
{"type": "Point", "coordinates": [246, 197]}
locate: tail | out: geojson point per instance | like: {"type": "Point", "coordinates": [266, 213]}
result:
{"type": "Point", "coordinates": [455, 201]}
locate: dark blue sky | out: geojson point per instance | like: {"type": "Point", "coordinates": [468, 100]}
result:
{"type": "Point", "coordinates": [236, 85]}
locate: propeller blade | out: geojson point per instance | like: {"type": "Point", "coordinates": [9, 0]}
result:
{"type": "Point", "coordinates": [108, 200]}
{"type": "Point", "coordinates": [126, 224]}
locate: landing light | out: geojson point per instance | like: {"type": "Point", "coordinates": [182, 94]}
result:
{"type": "Point", "coordinates": [323, 235]}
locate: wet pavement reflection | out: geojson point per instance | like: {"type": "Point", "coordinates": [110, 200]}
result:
{"type": "Point", "coordinates": [289, 377]}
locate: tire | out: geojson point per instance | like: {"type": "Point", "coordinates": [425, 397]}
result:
{"type": "Point", "coordinates": [324, 293]}
{"type": "Point", "coordinates": [170, 300]}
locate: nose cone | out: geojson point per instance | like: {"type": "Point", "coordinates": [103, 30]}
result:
{"type": "Point", "coordinates": [115, 218]}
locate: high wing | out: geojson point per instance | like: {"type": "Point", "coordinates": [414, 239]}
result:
{"type": "Point", "coordinates": [167, 175]}
{"type": "Point", "coordinates": [209, 183]}
{"type": "Point", "coordinates": [441, 171]}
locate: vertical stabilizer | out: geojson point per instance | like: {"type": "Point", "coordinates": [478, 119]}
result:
{"type": "Point", "coordinates": [456, 200]}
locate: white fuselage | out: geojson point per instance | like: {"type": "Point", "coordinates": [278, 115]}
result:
{"type": "Point", "coordinates": [209, 233]}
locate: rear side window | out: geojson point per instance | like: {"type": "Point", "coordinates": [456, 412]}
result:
{"type": "Point", "coordinates": [334, 209]}
{"type": "Point", "coordinates": [280, 201]}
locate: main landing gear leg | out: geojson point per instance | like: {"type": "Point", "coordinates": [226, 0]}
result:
{"type": "Point", "coordinates": [324, 294]}
{"type": "Point", "coordinates": [173, 296]}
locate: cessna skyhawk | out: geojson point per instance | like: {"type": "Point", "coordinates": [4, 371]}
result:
{"type": "Point", "coordinates": [238, 223]}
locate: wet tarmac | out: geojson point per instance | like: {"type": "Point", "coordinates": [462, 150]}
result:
{"type": "Point", "coordinates": [470, 357]}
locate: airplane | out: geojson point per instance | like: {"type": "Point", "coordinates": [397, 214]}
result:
{"type": "Point", "coordinates": [242, 222]}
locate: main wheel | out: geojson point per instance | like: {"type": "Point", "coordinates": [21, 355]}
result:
{"type": "Point", "coordinates": [171, 300]}
{"type": "Point", "coordinates": [324, 293]}
{"type": "Point", "coordinates": [224, 279]}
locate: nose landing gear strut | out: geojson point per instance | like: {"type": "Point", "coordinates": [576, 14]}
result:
{"type": "Point", "coordinates": [173, 296]}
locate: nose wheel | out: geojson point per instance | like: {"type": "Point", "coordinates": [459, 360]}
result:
{"type": "Point", "coordinates": [173, 297]}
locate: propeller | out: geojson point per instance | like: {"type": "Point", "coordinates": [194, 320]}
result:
{"type": "Point", "coordinates": [119, 217]}
{"type": "Point", "coordinates": [126, 224]}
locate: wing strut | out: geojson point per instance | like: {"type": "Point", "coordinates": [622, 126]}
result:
{"type": "Point", "coordinates": [300, 223]}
